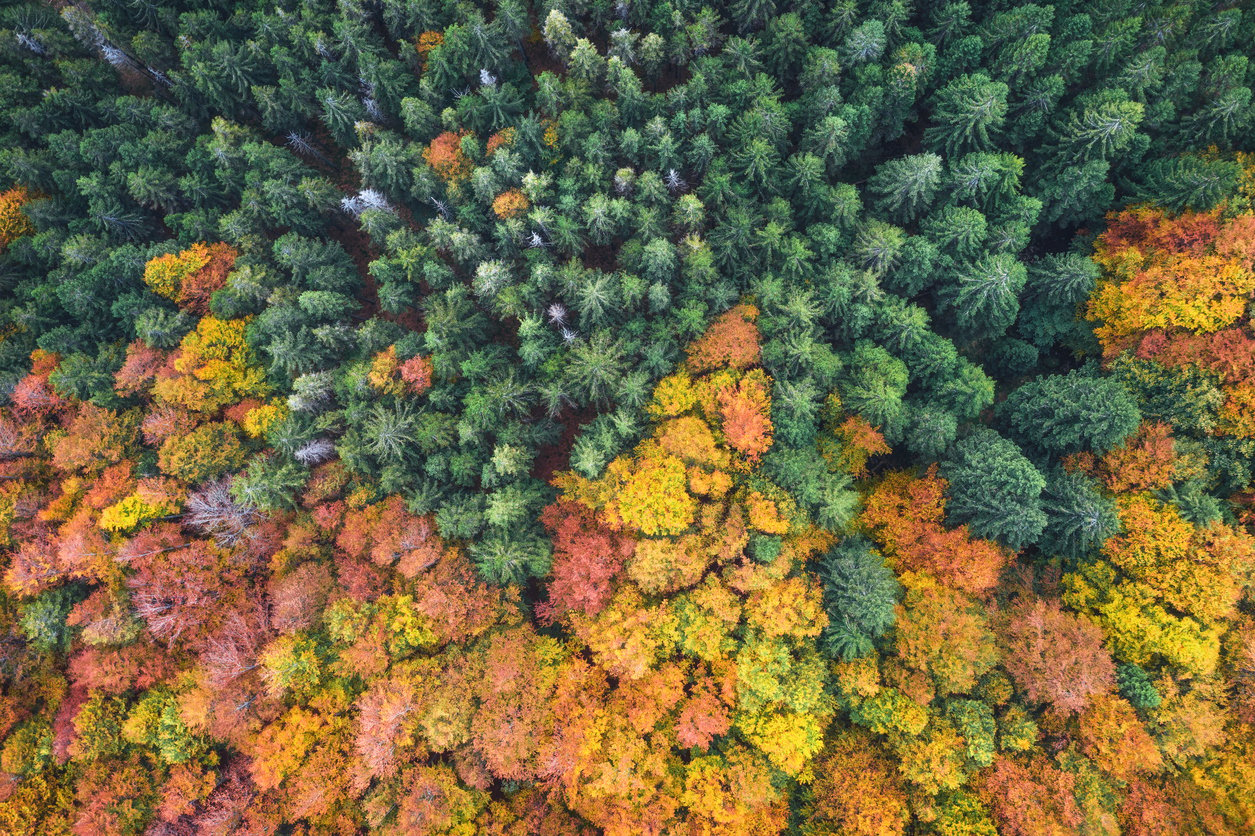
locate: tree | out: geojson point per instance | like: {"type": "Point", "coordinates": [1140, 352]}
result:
{"type": "Point", "coordinates": [1030, 796]}
{"type": "Point", "coordinates": [995, 490]}
{"type": "Point", "coordinates": [985, 295]}
{"type": "Point", "coordinates": [907, 185]}
{"type": "Point", "coordinates": [1079, 519]}
{"type": "Point", "coordinates": [857, 790]}
{"type": "Point", "coordinates": [1097, 129]}
{"type": "Point", "coordinates": [44, 620]}
{"type": "Point", "coordinates": [731, 341]}
{"type": "Point", "coordinates": [190, 277]}
{"type": "Point", "coordinates": [207, 452]}
{"type": "Point", "coordinates": [587, 556]}
{"type": "Point", "coordinates": [944, 634]}
{"type": "Point", "coordinates": [860, 594]}
{"type": "Point", "coordinates": [959, 229]}
{"type": "Point", "coordinates": [965, 113]}
{"type": "Point", "coordinates": [878, 246]}
{"type": "Point", "coordinates": [1056, 657]}
{"type": "Point", "coordinates": [865, 43]}
{"type": "Point", "coordinates": [14, 223]}
{"type": "Point", "coordinates": [904, 514]}
{"type": "Point", "coordinates": [1062, 414]}
{"type": "Point", "coordinates": [745, 410]}
{"type": "Point", "coordinates": [874, 386]}
{"type": "Point", "coordinates": [1136, 687]}
{"type": "Point", "coordinates": [1113, 736]}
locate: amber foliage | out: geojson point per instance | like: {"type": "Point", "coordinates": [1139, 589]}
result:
{"type": "Point", "coordinates": [709, 650]}
{"type": "Point", "coordinates": [191, 276]}
{"type": "Point", "coordinates": [503, 138]}
{"type": "Point", "coordinates": [1176, 290]}
{"type": "Point", "coordinates": [447, 159]}
{"type": "Point", "coordinates": [511, 203]}
{"type": "Point", "coordinates": [13, 221]}
{"type": "Point", "coordinates": [731, 342]}
{"type": "Point", "coordinates": [1191, 272]}
{"type": "Point", "coordinates": [427, 41]}
{"type": "Point", "coordinates": [905, 515]}
{"type": "Point", "coordinates": [1165, 588]}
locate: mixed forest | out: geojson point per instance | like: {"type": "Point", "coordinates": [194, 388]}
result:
{"type": "Point", "coordinates": [572, 417]}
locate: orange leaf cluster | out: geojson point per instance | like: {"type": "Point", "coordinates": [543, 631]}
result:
{"type": "Point", "coordinates": [1056, 657]}
{"type": "Point", "coordinates": [858, 442]}
{"type": "Point", "coordinates": [447, 159]}
{"type": "Point", "coordinates": [1188, 273]}
{"type": "Point", "coordinates": [13, 221]}
{"type": "Point", "coordinates": [745, 409]}
{"type": "Point", "coordinates": [503, 138]}
{"type": "Point", "coordinates": [904, 514]}
{"type": "Point", "coordinates": [511, 203]}
{"type": "Point", "coordinates": [190, 277]}
{"type": "Point", "coordinates": [427, 41]}
{"type": "Point", "coordinates": [1175, 290]}
{"type": "Point", "coordinates": [1144, 462]}
{"type": "Point", "coordinates": [417, 373]}
{"type": "Point", "coordinates": [587, 555]}
{"type": "Point", "coordinates": [730, 342]}
{"type": "Point", "coordinates": [857, 790]}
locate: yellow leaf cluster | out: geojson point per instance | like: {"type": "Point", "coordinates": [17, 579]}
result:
{"type": "Point", "coordinates": [165, 273]}
{"type": "Point", "coordinates": [13, 221]}
{"type": "Point", "coordinates": [131, 512]}
{"type": "Point", "coordinates": [216, 367]}
{"type": "Point", "coordinates": [650, 493]}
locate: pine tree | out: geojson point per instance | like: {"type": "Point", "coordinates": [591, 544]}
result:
{"type": "Point", "coordinates": [1062, 414]}
{"type": "Point", "coordinates": [995, 490]}
{"type": "Point", "coordinates": [859, 595]}
{"type": "Point", "coordinates": [966, 112]}
{"type": "Point", "coordinates": [985, 296]}
{"type": "Point", "coordinates": [907, 185]}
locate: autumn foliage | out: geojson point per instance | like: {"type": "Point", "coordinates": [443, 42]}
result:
{"type": "Point", "coordinates": [339, 664]}
{"type": "Point", "coordinates": [447, 159]}
{"type": "Point", "coordinates": [511, 203]}
{"type": "Point", "coordinates": [1176, 291]}
{"type": "Point", "coordinates": [13, 221]}
{"type": "Point", "coordinates": [191, 276]}
{"type": "Point", "coordinates": [905, 514]}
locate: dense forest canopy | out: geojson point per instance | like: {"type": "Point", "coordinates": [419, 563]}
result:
{"type": "Point", "coordinates": [650, 417]}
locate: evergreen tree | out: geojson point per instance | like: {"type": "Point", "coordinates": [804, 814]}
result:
{"type": "Point", "coordinates": [966, 113]}
{"type": "Point", "coordinates": [994, 489]}
{"type": "Point", "coordinates": [859, 596]}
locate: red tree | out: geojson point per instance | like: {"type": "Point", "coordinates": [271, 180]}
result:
{"type": "Point", "coordinates": [1056, 657]}
{"type": "Point", "coordinates": [587, 554]}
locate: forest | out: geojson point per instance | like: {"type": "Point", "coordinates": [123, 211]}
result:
{"type": "Point", "coordinates": [627, 417]}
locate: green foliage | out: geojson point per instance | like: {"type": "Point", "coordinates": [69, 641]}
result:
{"type": "Point", "coordinates": [471, 239]}
{"type": "Point", "coordinates": [860, 593]}
{"type": "Point", "coordinates": [966, 113]}
{"type": "Point", "coordinates": [43, 620]}
{"type": "Point", "coordinates": [1135, 686]}
{"type": "Point", "coordinates": [975, 722]}
{"type": "Point", "coordinates": [1078, 517]}
{"type": "Point", "coordinates": [1063, 414]}
{"type": "Point", "coordinates": [995, 490]}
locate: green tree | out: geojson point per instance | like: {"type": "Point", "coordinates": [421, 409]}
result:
{"type": "Point", "coordinates": [860, 593]}
{"type": "Point", "coordinates": [994, 489]}
{"type": "Point", "coordinates": [907, 185]}
{"type": "Point", "coordinates": [874, 385]}
{"type": "Point", "coordinates": [1061, 414]}
{"type": "Point", "coordinates": [43, 619]}
{"type": "Point", "coordinates": [1079, 518]}
{"type": "Point", "coordinates": [985, 295]}
{"type": "Point", "coordinates": [965, 113]}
